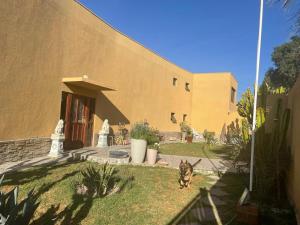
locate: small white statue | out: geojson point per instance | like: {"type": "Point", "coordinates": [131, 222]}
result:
{"type": "Point", "coordinates": [59, 128]}
{"type": "Point", "coordinates": [57, 139]}
{"type": "Point", "coordinates": [105, 127]}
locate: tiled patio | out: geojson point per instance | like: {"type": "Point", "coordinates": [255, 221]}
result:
{"type": "Point", "coordinates": [101, 155]}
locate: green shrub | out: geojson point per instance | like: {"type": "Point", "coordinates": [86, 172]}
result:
{"type": "Point", "coordinates": [153, 136]}
{"type": "Point", "coordinates": [99, 181]}
{"type": "Point", "coordinates": [184, 127]}
{"type": "Point", "coordinates": [139, 131]}
{"type": "Point", "coordinates": [14, 213]}
{"type": "Point", "coordinates": [144, 132]}
{"type": "Point", "coordinates": [209, 137]}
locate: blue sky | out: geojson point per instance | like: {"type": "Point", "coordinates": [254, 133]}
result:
{"type": "Point", "coordinates": [201, 36]}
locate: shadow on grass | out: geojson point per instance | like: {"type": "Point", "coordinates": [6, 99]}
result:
{"type": "Point", "coordinates": [80, 205]}
{"type": "Point", "coordinates": [215, 205]}
{"type": "Point", "coordinates": [21, 177]}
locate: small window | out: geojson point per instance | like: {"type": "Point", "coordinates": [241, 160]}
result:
{"type": "Point", "coordinates": [184, 117]}
{"type": "Point", "coordinates": [232, 97]}
{"type": "Point", "coordinates": [174, 81]}
{"type": "Point", "coordinates": [187, 86]}
{"type": "Point", "coordinates": [173, 118]}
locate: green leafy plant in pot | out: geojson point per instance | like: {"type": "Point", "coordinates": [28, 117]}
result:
{"type": "Point", "coordinates": [139, 134]}
{"type": "Point", "coordinates": [186, 132]}
{"type": "Point", "coordinates": [153, 146]}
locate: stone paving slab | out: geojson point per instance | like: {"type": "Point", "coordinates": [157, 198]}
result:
{"type": "Point", "coordinates": [91, 153]}
{"type": "Point", "coordinates": [203, 214]}
{"type": "Point", "coordinates": [205, 166]}
{"type": "Point", "coordinates": [215, 199]}
{"type": "Point", "coordinates": [218, 192]}
{"type": "Point", "coordinates": [217, 183]}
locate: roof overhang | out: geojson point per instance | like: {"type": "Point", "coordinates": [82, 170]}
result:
{"type": "Point", "coordinates": [85, 82]}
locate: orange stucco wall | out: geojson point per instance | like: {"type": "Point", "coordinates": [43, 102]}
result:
{"type": "Point", "coordinates": [211, 102]}
{"type": "Point", "coordinates": [44, 41]}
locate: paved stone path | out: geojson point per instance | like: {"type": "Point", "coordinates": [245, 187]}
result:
{"type": "Point", "coordinates": [206, 165]}
{"type": "Point", "coordinates": [92, 154]}
{"type": "Point", "coordinates": [203, 210]}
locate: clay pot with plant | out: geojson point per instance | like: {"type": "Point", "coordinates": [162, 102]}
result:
{"type": "Point", "coordinates": [152, 151]}
{"type": "Point", "coordinates": [186, 132]}
{"type": "Point", "coordinates": [189, 136]}
{"type": "Point", "coordinates": [152, 145]}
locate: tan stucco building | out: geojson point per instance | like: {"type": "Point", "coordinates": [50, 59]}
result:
{"type": "Point", "coordinates": [59, 60]}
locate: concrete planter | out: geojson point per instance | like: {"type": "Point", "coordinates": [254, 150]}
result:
{"type": "Point", "coordinates": [138, 150]}
{"type": "Point", "coordinates": [151, 156]}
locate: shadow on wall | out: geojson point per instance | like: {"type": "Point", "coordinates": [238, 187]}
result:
{"type": "Point", "coordinates": [105, 109]}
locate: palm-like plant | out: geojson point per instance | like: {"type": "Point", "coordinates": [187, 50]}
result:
{"type": "Point", "coordinates": [287, 3]}
{"type": "Point", "coordinates": [99, 181]}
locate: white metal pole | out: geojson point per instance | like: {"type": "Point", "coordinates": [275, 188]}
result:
{"type": "Point", "coordinates": [255, 92]}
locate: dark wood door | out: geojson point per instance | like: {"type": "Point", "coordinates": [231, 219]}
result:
{"type": "Point", "coordinates": [77, 112]}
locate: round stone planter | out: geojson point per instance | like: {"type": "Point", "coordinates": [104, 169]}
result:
{"type": "Point", "coordinates": [151, 156]}
{"type": "Point", "coordinates": [138, 150]}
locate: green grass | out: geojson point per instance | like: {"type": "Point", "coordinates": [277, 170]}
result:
{"type": "Point", "coordinates": [153, 197]}
{"type": "Point", "coordinates": [195, 150]}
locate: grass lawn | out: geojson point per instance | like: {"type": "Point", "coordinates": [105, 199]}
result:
{"type": "Point", "coordinates": [153, 197]}
{"type": "Point", "coordinates": [196, 150]}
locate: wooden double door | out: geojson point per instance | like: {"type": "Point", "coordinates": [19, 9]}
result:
{"type": "Point", "coordinates": [78, 115]}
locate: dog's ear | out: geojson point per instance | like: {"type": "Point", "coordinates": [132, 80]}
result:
{"type": "Point", "coordinates": [181, 161]}
{"type": "Point", "coordinates": [186, 162]}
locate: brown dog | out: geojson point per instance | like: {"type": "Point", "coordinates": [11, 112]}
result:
{"type": "Point", "coordinates": [186, 173]}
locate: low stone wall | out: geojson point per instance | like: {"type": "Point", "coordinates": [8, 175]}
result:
{"type": "Point", "coordinates": [16, 150]}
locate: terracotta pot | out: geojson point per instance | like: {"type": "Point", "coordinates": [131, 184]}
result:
{"type": "Point", "coordinates": [189, 139]}
{"type": "Point", "coordinates": [151, 156]}
{"type": "Point", "coordinates": [138, 150]}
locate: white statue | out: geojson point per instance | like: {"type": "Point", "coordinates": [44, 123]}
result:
{"type": "Point", "coordinates": [103, 133]}
{"type": "Point", "coordinates": [59, 128]}
{"type": "Point", "coordinates": [57, 138]}
{"type": "Point", "coordinates": [105, 127]}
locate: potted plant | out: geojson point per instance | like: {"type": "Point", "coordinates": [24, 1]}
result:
{"type": "Point", "coordinates": [139, 134]}
{"type": "Point", "coordinates": [183, 129]}
{"type": "Point", "coordinates": [189, 136]}
{"type": "Point", "coordinates": [153, 146]}
{"type": "Point", "coordinates": [186, 132]}
{"type": "Point", "coordinates": [209, 137]}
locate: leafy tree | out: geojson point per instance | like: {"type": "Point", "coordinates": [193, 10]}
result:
{"type": "Point", "coordinates": [286, 59]}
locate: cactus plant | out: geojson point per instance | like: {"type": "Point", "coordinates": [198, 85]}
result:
{"type": "Point", "coordinates": [14, 213]}
{"type": "Point", "coordinates": [272, 156]}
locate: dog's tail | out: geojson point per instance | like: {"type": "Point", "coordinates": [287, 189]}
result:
{"type": "Point", "coordinates": [196, 163]}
